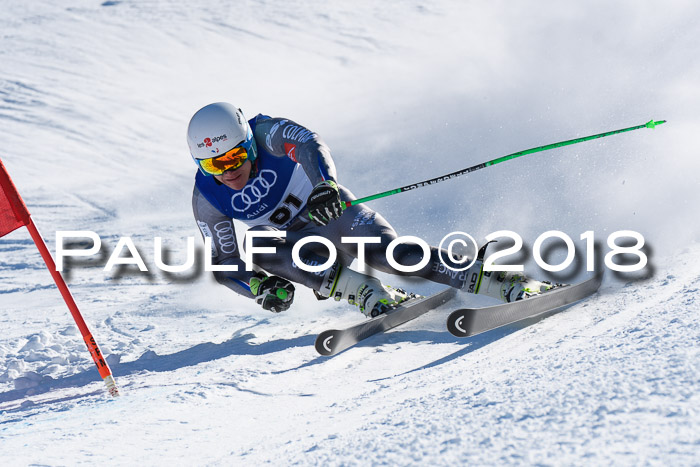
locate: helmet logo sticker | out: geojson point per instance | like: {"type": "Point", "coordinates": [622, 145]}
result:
{"type": "Point", "coordinates": [255, 192]}
{"type": "Point", "coordinates": [209, 141]}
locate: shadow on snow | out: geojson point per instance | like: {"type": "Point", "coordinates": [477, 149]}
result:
{"type": "Point", "coordinates": [396, 335]}
{"type": "Point", "coordinates": [239, 344]}
{"type": "Point", "coordinates": [150, 361]}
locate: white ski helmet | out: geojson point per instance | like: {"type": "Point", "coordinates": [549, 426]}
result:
{"type": "Point", "coordinates": [216, 129]}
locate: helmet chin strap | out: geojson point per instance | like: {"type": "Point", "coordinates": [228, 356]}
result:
{"type": "Point", "coordinates": [254, 160]}
{"type": "Point", "coordinates": [254, 169]}
{"type": "Point", "coordinates": [254, 149]}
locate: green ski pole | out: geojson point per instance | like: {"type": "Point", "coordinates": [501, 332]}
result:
{"type": "Point", "coordinates": [432, 181]}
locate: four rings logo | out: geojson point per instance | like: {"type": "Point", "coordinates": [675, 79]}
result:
{"type": "Point", "coordinates": [256, 191]}
{"type": "Point", "coordinates": [224, 235]}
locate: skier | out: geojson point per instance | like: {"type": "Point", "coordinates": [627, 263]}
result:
{"type": "Point", "coordinates": [273, 174]}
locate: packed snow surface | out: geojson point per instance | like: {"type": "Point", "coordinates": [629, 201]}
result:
{"type": "Point", "coordinates": [94, 101]}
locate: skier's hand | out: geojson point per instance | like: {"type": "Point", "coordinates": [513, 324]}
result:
{"type": "Point", "coordinates": [272, 292]}
{"type": "Point", "coordinates": [324, 203]}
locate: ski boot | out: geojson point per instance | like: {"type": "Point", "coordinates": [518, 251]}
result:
{"type": "Point", "coordinates": [366, 292]}
{"type": "Point", "coordinates": [511, 287]}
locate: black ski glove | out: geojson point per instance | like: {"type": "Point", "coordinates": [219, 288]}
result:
{"type": "Point", "coordinates": [272, 292]}
{"type": "Point", "coordinates": [324, 203]}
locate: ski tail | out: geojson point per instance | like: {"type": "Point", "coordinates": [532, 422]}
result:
{"type": "Point", "coordinates": [335, 341]}
{"type": "Point", "coordinates": [467, 322]}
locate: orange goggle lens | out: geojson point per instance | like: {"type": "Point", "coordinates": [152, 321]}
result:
{"type": "Point", "coordinates": [230, 160]}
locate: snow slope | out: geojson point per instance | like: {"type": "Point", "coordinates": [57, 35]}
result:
{"type": "Point", "coordinates": [94, 101]}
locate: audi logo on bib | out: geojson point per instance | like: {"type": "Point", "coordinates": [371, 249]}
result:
{"type": "Point", "coordinates": [256, 191]}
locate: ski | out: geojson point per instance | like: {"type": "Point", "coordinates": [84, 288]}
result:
{"type": "Point", "coordinates": [335, 341]}
{"type": "Point", "coordinates": [467, 322]}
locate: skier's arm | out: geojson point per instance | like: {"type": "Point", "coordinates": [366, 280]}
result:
{"type": "Point", "coordinates": [285, 138]}
{"type": "Point", "coordinates": [219, 228]}
{"type": "Point", "coordinates": [271, 292]}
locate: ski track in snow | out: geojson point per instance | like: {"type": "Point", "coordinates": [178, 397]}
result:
{"type": "Point", "coordinates": [94, 100]}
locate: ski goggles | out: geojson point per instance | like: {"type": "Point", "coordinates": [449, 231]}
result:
{"type": "Point", "coordinates": [230, 160]}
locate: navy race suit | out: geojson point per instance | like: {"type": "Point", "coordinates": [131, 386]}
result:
{"type": "Point", "coordinates": [291, 161]}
